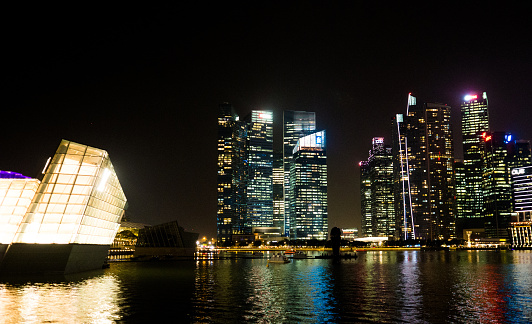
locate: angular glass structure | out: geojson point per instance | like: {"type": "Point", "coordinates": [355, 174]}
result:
{"type": "Point", "coordinates": [72, 218]}
{"type": "Point", "coordinates": [16, 193]}
{"type": "Point", "coordinates": [78, 201]}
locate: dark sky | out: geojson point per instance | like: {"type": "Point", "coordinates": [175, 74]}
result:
{"type": "Point", "coordinates": [144, 83]}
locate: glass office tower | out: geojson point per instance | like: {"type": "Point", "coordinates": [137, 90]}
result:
{"type": "Point", "coordinates": [496, 185]}
{"type": "Point", "coordinates": [232, 172]}
{"type": "Point", "coordinates": [475, 121]}
{"type": "Point", "coordinates": [296, 124]}
{"type": "Point", "coordinates": [259, 196]}
{"type": "Point", "coordinates": [365, 199]}
{"type": "Point", "coordinates": [379, 218]}
{"type": "Point", "coordinates": [308, 188]}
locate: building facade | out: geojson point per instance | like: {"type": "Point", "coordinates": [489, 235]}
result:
{"type": "Point", "coordinates": [475, 121]}
{"type": "Point", "coordinates": [424, 175]}
{"type": "Point", "coordinates": [73, 217]}
{"type": "Point", "coordinates": [296, 124]}
{"type": "Point", "coordinates": [496, 184]}
{"type": "Point", "coordinates": [378, 196]}
{"type": "Point", "coordinates": [231, 174]}
{"type": "Point", "coordinates": [259, 156]}
{"type": "Point", "coordinates": [308, 188]}
{"type": "Point", "coordinates": [521, 226]}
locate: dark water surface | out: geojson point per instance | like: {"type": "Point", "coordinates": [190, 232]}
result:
{"type": "Point", "coordinates": [378, 287]}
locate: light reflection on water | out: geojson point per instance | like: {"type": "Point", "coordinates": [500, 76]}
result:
{"type": "Point", "coordinates": [92, 300]}
{"type": "Point", "coordinates": [383, 287]}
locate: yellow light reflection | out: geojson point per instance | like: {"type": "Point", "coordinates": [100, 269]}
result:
{"type": "Point", "coordinates": [93, 300]}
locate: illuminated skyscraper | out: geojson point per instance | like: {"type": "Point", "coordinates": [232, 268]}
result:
{"type": "Point", "coordinates": [475, 122]}
{"type": "Point", "coordinates": [365, 199]}
{"type": "Point", "coordinates": [232, 169]}
{"type": "Point", "coordinates": [259, 153]}
{"type": "Point", "coordinates": [425, 170]}
{"type": "Point", "coordinates": [496, 184]}
{"type": "Point", "coordinates": [377, 181]}
{"type": "Point", "coordinates": [308, 188]}
{"type": "Point", "coordinates": [296, 124]}
{"type": "Point", "coordinates": [401, 170]}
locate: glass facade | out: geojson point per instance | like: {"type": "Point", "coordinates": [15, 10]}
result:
{"type": "Point", "coordinates": [521, 228]}
{"type": "Point", "coordinates": [308, 188]}
{"type": "Point", "coordinates": [278, 194]}
{"type": "Point", "coordinates": [79, 200]}
{"type": "Point", "coordinates": [404, 220]}
{"type": "Point", "coordinates": [365, 199]}
{"type": "Point", "coordinates": [378, 191]}
{"type": "Point", "coordinates": [16, 193]}
{"type": "Point", "coordinates": [296, 124]}
{"type": "Point", "coordinates": [424, 175]}
{"type": "Point", "coordinates": [232, 174]}
{"type": "Point", "coordinates": [475, 121]}
{"type": "Point", "coordinates": [259, 195]}
{"type": "Point", "coordinates": [496, 185]}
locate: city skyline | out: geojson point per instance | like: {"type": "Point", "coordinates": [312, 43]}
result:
{"type": "Point", "coordinates": [146, 84]}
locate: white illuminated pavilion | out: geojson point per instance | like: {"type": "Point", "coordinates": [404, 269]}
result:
{"type": "Point", "coordinates": [79, 201]}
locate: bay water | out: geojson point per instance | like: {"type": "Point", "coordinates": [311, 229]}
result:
{"type": "Point", "coordinates": [377, 287]}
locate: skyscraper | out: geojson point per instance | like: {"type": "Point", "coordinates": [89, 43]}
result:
{"type": "Point", "coordinates": [365, 199]}
{"type": "Point", "coordinates": [259, 196]}
{"type": "Point", "coordinates": [296, 124]}
{"type": "Point", "coordinates": [475, 121]}
{"type": "Point", "coordinates": [496, 185]}
{"type": "Point", "coordinates": [308, 188]}
{"type": "Point", "coordinates": [425, 170]}
{"type": "Point", "coordinates": [405, 228]}
{"type": "Point", "coordinates": [378, 191]}
{"type": "Point", "coordinates": [232, 173]}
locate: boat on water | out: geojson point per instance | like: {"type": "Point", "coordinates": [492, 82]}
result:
{"type": "Point", "coordinates": [278, 258]}
{"type": "Point", "coordinates": [289, 252]}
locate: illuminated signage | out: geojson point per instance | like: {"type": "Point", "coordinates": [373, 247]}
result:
{"type": "Point", "coordinates": [378, 140]}
{"type": "Point", "coordinates": [507, 138]}
{"type": "Point", "coordinates": [470, 97]}
{"type": "Point", "coordinates": [486, 137]}
{"type": "Point", "coordinates": [518, 171]}
{"type": "Point", "coordinates": [399, 118]}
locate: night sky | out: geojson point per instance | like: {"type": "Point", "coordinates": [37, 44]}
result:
{"type": "Point", "coordinates": [144, 83]}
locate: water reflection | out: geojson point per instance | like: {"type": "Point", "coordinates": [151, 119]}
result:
{"type": "Point", "coordinates": [92, 300]}
{"type": "Point", "coordinates": [383, 287]}
{"type": "Point", "coordinates": [253, 291]}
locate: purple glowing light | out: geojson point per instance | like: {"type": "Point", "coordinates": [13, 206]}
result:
{"type": "Point", "coordinates": [11, 175]}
